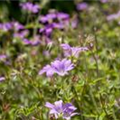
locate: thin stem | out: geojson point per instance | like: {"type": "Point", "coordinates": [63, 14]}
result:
{"type": "Point", "coordinates": [77, 98]}
{"type": "Point", "coordinates": [114, 116]}
{"type": "Point", "coordinates": [35, 28]}
{"type": "Point", "coordinates": [93, 100]}
{"type": "Point", "coordinates": [97, 68]}
{"type": "Point", "coordinates": [28, 18]}
{"type": "Point", "coordinates": [103, 105]}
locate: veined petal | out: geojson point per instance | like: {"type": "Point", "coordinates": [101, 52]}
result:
{"type": "Point", "coordinates": [49, 105]}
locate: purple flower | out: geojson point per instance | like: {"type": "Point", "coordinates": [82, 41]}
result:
{"type": "Point", "coordinates": [11, 25]}
{"type": "Point", "coordinates": [113, 16]}
{"type": "Point", "coordinates": [33, 8]}
{"type": "Point", "coordinates": [48, 70]}
{"type": "Point", "coordinates": [82, 6]}
{"type": "Point", "coordinates": [103, 1]}
{"type": "Point", "coordinates": [43, 19]}
{"type": "Point", "coordinates": [3, 57]}
{"type": "Point", "coordinates": [26, 41]}
{"type": "Point", "coordinates": [62, 16]}
{"type": "Point", "coordinates": [58, 109]}
{"type": "Point", "coordinates": [6, 26]}
{"type": "Point", "coordinates": [18, 26]}
{"type": "Point", "coordinates": [34, 41]}
{"type": "Point", "coordinates": [48, 17]}
{"type": "Point", "coordinates": [59, 25]}
{"type": "Point", "coordinates": [61, 67]}
{"type": "Point", "coordinates": [47, 30]}
{"type": "Point", "coordinates": [21, 34]}
{"type": "Point", "coordinates": [52, 16]}
{"type": "Point", "coordinates": [72, 51]}
{"type": "Point", "coordinates": [74, 23]}
{"type": "Point", "coordinates": [2, 79]}
{"type": "Point", "coordinates": [46, 53]}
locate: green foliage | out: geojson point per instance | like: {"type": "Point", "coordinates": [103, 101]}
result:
{"type": "Point", "coordinates": [93, 86]}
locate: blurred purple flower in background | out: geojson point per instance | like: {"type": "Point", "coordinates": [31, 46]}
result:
{"type": "Point", "coordinates": [82, 6]}
{"type": "Point", "coordinates": [74, 23]}
{"type": "Point", "coordinates": [46, 53]}
{"type": "Point", "coordinates": [26, 41]}
{"type": "Point", "coordinates": [103, 1]}
{"type": "Point", "coordinates": [47, 30]}
{"type": "Point", "coordinates": [43, 19]}
{"type": "Point", "coordinates": [11, 25]}
{"type": "Point", "coordinates": [61, 67]}
{"type": "Point", "coordinates": [22, 34]}
{"type": "Point", "coordinates": [6, 26]}
{"type": "Point", "coordinates": [34, 41]}
{"type": "Point", "coordinates": [113, 16]}
{"type": "Point", "coordinates": [59, 109]}
{"type": "Point", "coordinates": [18, 26]}
{"type": "Point", "coordinates": [55, 20]}
{"type": "Point", "coordinates": [48, 17]}
{"type": "Point", "coordinates": [72, 51]}
{"type": "Point", "coordinates": [3, 57]}
{"type": "Point", "coordinates": [54, 16]}
{"type": "Point", "coordinates": [62, 16]}
{"type": "Point", "coordinates": [59, 25]}
{"type": "Point", "coordinates": [30, 7]}
{"type": "Point", "coordinates": [2, 79]}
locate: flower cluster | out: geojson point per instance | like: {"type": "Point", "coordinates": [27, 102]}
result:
{"type": "Point", "coordinates": [50, 22]}
{"type": "Point", "coordinates": [59, 109]}
{"type": "Point", "coordinates": [55, 20]}
{"type": "Point", "coordinates": [28, 6]}
{"type": "Point", "coordinates": [16, 26]}
{"type": "Point", "coordinates": [61, 67]}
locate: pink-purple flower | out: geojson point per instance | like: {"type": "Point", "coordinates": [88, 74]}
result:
{"type": "Point", "coordinates": [113, 16]}
{"type": "Point", "coordinates": [2, 78]}
{"type": "Point", "coordinates": [17, 26]}
{"type": "Point", "coordinates": [48, 70]}
{"type": "Point", "coordinates": [59, 109]}
{"type": "Point", "coordinates": [47, 30]}
{"type": "Point", "coordinates": [60, 67]}
{"type": "Point", "coordinates": [30, 7]}
{"type": "Point", "coordinates": [54, 16]}
{"type": "Point", "coordinates": [82, 6]}
{"type": "Point", "coordinates": [21, 34]}
{"type": "Point", "coordinates": [34, 41]}
{"type": "Point", "coordinates": [3, 57]}
{"type": "Point", "coordinates": [6, 26]}
{"type": "Point", "coordinates": [103, 1]}
{"type": "Point", "coordinates": [72, 51]}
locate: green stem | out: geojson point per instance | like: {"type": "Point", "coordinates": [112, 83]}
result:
{"type": "Point", "coordinates": [97, 68]}
{"type": "Point", "coordinates": [103, 105]}
{"type": "Point", "coordinates": [28, 18]}
{"type": "Point", "coordinates": [114, 116]}
{"type": "Point", "coordinates": [93, 100]}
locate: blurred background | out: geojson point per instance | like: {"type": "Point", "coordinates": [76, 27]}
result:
{"type": "Point", "coordinates": [11, 8]}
